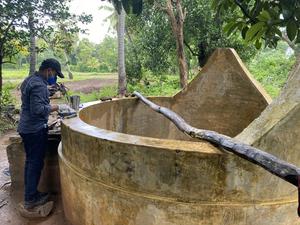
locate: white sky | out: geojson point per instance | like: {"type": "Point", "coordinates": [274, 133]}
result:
{"type": "Point", "coordinates": [98, 29]}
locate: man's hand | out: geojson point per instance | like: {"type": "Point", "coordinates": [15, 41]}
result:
{"type": "Point", "coordinates": [65, 110]}
{"type": "Point", "coordinates": [63, 107]}
{"type": "Point", "coordinates": [54, 108]}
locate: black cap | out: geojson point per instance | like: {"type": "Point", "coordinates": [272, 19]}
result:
{"type": "Point", "coordinates": [53, 64]}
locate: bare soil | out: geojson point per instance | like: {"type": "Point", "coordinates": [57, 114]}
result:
{"type": "Point", "coordinates": [84, 86]}
{"type": "Point", "coordinates": [90, 85]}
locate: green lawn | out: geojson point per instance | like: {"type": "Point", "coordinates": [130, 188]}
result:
{"type": "Point", "coordinates": [17, 76]}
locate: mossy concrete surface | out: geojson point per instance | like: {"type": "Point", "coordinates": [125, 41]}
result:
{"type": "Point", "coordinates": [123, 164]}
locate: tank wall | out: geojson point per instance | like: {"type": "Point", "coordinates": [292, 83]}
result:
{"type": "Point", "coordinates": [115, 182]}
{"type": "Point", "coordinates": [107, 206]}
{"type": "Point", "coordinates": [130, 116]}
{"type": "Point", "coordinates": [166, 173]}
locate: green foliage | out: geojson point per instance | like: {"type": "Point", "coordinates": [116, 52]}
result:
{"type": "Point", "coordinates": [134, 7]}
{"type": "Point", "coordinates": [107, 52]}
{"type": "Point", "coordinates": [271, 68]}
{"type": "Point", "coordinates": [96, 95]}
{"type": "Point", "coordinates": [203, 31]}
{"type": "Point", "coordinates": [152, 44]}
{"type": "Point", "coordinates": [89, 57]}
{"type": "Point", "coordinates": [21, 19]}
{"type": "Point", "coordinates": [6, 124]}
{"type": "Point", "coordinates": [262, 20]}
{"type": "Point", "coordinates": [163, 85]}
{"type": "Point", "coordinates": [133, 71]}
{"type": "Point", "coordinates": [6, 98]}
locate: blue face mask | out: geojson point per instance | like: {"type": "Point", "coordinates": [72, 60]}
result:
{"type": "Point", "coordinates": [51, 80]}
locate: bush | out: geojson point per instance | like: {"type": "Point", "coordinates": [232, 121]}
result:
{"type": "Point", "coordinates": [7, 121]}
{"type": "Point", "coordinates": [6, 98]}
{"type": "Point", "coordinates": [133, 72]}
{"type": "Point", "coordinates": [150, 85]}
{"type": "Point", "coordinates": [271, 68]}
{"type": "Point", "coordinates": [96, 95]}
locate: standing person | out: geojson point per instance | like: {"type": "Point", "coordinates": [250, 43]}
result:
{"type": "Point", "coordinates": [33, 128]}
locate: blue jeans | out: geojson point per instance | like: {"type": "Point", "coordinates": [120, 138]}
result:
{"type": "Point", "coordinates": [35, 145]}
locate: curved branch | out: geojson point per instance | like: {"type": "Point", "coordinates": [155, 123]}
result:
{"type": "Point", "coordinates": [280, 168]}
{"type": "Point", "coordinates": [189, 48]}
{"type": "Point", "coordinates": [245, 12]}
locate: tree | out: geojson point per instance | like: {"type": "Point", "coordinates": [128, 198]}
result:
{"type": "Point", "coordinates": [120, 7]}
{"type": "Point", "coordinates": [176, 14]}
{"type": "Point", "coordinates": [203, 32]}
{"type": "Point", "coordinates": [21, 21]}
{"type": "Point", "coordinates": [86, 56]}
{"type": "Point", "coordinates": [32, 45]}
{"type": "Point", "coordinates": [40, 15]}
{"type": "Point", "coordinates": [12, 33]}
{"type": "Point", "coordinates": [150, 32]}
{"type": "Point", "coordinates": [64, 37]}
{"type": "Point", "coordinates": [107, 53]}
{"type": "Point", "coordinates": [121, 54]}
{"type": "Point", "coordinates": [262, 20]}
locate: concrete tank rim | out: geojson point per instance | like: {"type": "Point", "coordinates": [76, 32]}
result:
{"type": "Point", "coordinates": [78, 125]}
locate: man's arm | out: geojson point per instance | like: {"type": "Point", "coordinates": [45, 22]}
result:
{"type": "Point", "coordinates": [39, 102]}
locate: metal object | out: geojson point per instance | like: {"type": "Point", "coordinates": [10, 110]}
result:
{"type": "Point", "coordinates": [74, 102]}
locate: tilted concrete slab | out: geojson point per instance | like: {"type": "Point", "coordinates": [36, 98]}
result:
{"type": "Point", "coordinates": [224, 97]}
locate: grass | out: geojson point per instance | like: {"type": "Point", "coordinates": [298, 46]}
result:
{"type": "Point", "coordinates": [17, 76]}
{"type": "Point", "coordinates": [166, 85]}
{"type": "Point", "coordinates": [6, 125]}
{"type": "Point", "coordinates": [96, 95]}
{"type": "Point", "coordinates": [271, 68]}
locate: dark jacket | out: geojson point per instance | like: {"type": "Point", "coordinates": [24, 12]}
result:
{"type": "Point", "coordinates": [35, 107]}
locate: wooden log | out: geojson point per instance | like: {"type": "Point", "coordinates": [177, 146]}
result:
{"type": "Point", "coordinates": [271, 163]}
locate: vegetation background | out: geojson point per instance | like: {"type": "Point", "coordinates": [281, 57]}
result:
{"type": "Point", "coordinates": [151, 55]}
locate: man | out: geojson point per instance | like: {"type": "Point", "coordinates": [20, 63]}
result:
{"type": "Point", "coordinates": [33, 128]}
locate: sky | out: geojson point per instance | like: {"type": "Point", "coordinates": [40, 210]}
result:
{"type": "Point", "coordinates": [98, 29]}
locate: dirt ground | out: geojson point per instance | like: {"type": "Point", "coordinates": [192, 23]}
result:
{"type": "Point", "coordinates": [90, 85]}
{"type": "Point", "coordinates": [8, 201]}
{"type": "Point", "coordinates": [84, 86]}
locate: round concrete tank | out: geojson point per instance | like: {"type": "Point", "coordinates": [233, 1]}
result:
{"type": "Point", "coordinates": [123, 164]}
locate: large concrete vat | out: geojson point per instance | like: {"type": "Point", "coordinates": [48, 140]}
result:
{"type": "Point", "coordinates": [122, 164]}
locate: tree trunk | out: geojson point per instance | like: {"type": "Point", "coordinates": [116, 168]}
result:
{"type": "Point", "coordinates": [1, 82]}
{"type": "Point", "coordinates": [121, 54]}
{"type": "Point", "coordinates": [177, 30]}
{"type": "Point", "coordinates": [70, 74]}
{"type": "Point", "coordinates": [32, 47]}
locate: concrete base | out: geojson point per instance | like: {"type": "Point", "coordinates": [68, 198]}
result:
{"type": "Point", "coordinates": [50, 180]}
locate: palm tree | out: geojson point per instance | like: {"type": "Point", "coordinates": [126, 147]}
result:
{"type": "Point", "coordinates": [32, 47]}
{"type": "Point", "coordinates": [121, 53]}
{"type": "Point", "coordinates": [117, 21]}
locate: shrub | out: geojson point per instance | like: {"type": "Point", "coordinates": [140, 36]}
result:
{"type": "Point", "coordinates": [271, 68]}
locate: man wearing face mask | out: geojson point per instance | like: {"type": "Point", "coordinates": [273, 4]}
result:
{"type": "Point", "coordinates": [33, 128]}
